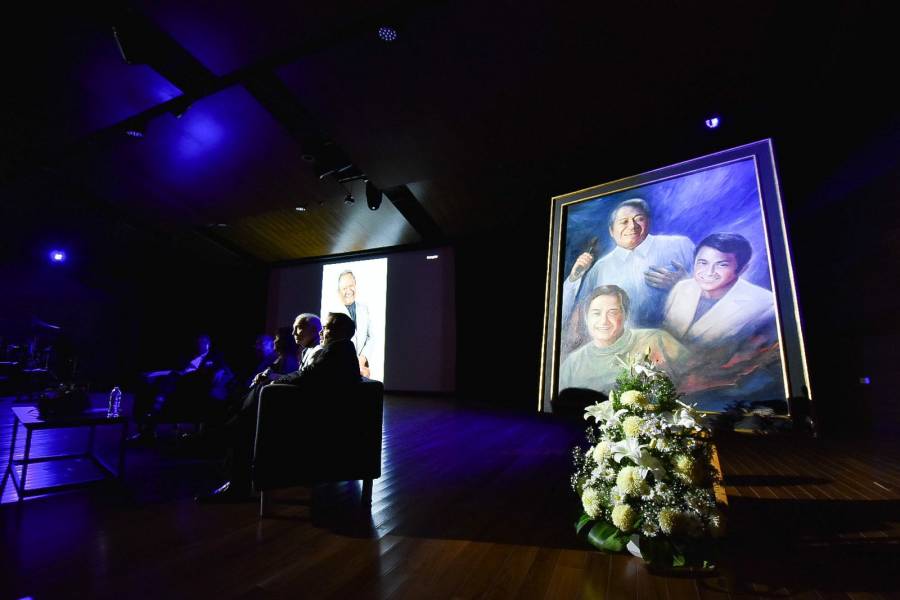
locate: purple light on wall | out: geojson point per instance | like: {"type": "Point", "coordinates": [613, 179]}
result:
{"type": "Point", "coordinates": [712, 122]}
{"type": "Point", "coordinates": [57, 256]}
{"type": "Point", "coordinates": [200, 134]}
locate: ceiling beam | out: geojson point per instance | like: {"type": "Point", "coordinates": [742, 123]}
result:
{"type": "Point", "coordinates": [413, 211]}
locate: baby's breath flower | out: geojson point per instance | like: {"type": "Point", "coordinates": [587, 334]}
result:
{"type": "Point", "coordinates": [717, 525]}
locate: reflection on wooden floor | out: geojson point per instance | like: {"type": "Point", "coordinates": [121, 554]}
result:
{"type": "Point", "coordinates": [473, 502]}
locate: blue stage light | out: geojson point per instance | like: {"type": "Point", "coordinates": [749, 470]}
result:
{"type": "Point", "coordinates": [57, 256]}
{"type": "Point", "coordinates": [387, 34]}
{"type": "Point", "coordinates": [712, 122]}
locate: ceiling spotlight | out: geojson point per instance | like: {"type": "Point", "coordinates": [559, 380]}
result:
{"type": "Point", "coordinates": [373, 196]}
{"type": "Point", "coordinates": [712, 122]}
{"type": "Point", "coordinates": [387, 34]}
{"type": "Point", "coordinates": [349, 199]}
{"type": "Point", "coordinates": [58, 256]}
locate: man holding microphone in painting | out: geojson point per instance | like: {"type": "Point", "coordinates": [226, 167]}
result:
{"type": "Point", "coordinates": [645, 266]}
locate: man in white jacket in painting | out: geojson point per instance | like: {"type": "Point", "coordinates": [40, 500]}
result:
{"type": "Point", "coordinates": [727, 322]}
{"type": "Point", "coordinates": [363, 339]}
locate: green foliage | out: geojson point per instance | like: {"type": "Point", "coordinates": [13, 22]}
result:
{"type": "Point", "coordinates": [605, 536]}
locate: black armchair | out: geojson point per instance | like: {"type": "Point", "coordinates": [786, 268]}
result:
{"type": "Point", "coordinates": [305, 439]}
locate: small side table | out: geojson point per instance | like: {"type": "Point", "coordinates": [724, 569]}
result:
{"type": "Point", "coordinates": [31, 419]}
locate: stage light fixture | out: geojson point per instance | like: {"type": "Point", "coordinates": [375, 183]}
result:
{"type": "Point", "coordinates": [712, 122]}
{"type": "Point", "coordinates": [300, 209]}
{"type": "Point", "coordinates": [373, 196]}
{"type": "Point", "coordinates": [387, 33]}
{"type": "Point", "coordinates": [136, 131]}
{"type": "Point", "coordinates": [131, 42]}
{"type": "Point", "coordinates": [349, 199]}
{"type": "Point", "coordinates": [58, 256]}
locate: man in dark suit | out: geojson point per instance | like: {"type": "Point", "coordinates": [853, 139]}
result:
{"type": "Point", "coordinates": [332, 365]}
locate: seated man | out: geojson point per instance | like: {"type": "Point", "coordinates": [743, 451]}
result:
{"type": "Point", "coordinates": [597, 364]}
{"type": "Point", "coordinates": [263, 357]}
{"type": "Point", "coordinates": [203, 378]}
{"type": "Point", "coordinates": [285, 355]}
{"type": "Point", "coordinates": [324, 368]}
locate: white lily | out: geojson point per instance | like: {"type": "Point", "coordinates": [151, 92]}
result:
{"type": "Point", "coordinates": [650, 464]}
{"type": "Point", "coordinates": [639, 455]}
{"type": "Point", "coordinates": [627, 448]}
{"type": "Point", "coordinates": [682, 417]}
{"type": "Point", "coordinates": [603, 412]}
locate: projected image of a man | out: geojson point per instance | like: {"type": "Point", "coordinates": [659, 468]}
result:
{"type": "Point", "coordinates": [359, 312]}
{"type": "Point", "coordinates": [596, 364]}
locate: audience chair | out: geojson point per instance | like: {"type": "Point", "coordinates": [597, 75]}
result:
{"type": "Point", "coordinates": [304, 438]}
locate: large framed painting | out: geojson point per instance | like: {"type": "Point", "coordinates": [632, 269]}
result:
{"type": "Point", "coordinates": [689, 263]}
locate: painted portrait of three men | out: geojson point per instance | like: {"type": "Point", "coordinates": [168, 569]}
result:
{"type": "Point", "coordinates": [680, 267]}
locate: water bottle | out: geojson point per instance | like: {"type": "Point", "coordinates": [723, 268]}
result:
{"type": "Point", "coordinates": [115, 402]}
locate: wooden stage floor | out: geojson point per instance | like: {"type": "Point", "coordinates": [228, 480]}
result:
{"type": "Point", "coordinates": [473, 502]}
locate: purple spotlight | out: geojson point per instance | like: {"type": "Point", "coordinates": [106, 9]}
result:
{"type": "Point", "coordinates": [57, 256]}
{"type": "Point", "coordinates": [387, 34]}
{"type": "Point", "coordinates": [712, 122]}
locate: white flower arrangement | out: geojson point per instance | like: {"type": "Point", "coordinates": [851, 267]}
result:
{"type": "Point", "coordinates": [647, 476]}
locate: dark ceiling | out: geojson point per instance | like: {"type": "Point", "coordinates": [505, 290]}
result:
{"type": "Point", "coordinates": [475, 110]}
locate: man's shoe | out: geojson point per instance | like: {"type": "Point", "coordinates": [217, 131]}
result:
{"type": "Point", "coordinates": [225, 494]}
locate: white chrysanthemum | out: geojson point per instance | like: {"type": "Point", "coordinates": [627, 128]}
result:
{"type": "Point", "coordinates": [662, 490]}
{"type": "Point", "coordinates": [683, 464]}
{"type": "Point", "coordinates": [634, 399]}
{"type": "Point", "coordinates": [623, 517]}
{"type": "Point", "coordinates": [631, 426]}
{"type": "Point", "coordinates": [631, 483]}
{"type": "Point", "coordinates": [689, 469]}
{"type": "Point", "coordinates": [590, 500]}
{"type": "Point", "coordinates": [602, 452]}
{"type": "Point", "coordinates": [649, 528]}
{"type": "Point", "coordinates": [669, 520]}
